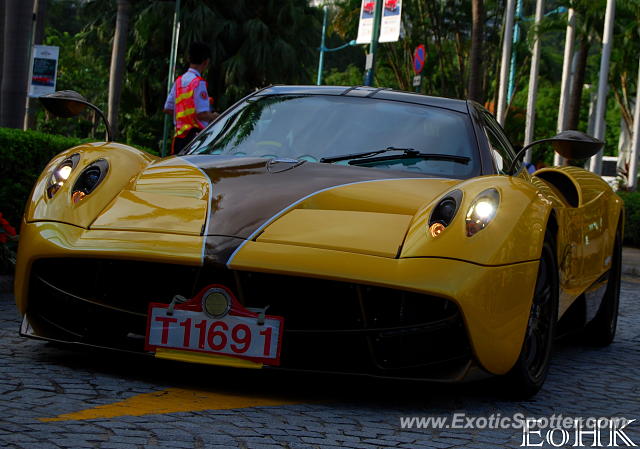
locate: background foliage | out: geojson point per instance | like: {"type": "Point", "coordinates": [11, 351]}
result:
{"type": "Point", "coordinates": [632, 218]}
{"type": "Point", "coordinates": [24, 154]}
{"type": "Point", "coordinates": [260, 42]}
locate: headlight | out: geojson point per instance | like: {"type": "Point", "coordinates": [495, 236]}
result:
{"type": "Point", "coordinates": [61, 174]}
{"type": "Point", "coordinates": [442, 215]}
{"type": "Point", "coordinates": [482, 211]}
{"type": "Point", "coordinates": [89, 179]}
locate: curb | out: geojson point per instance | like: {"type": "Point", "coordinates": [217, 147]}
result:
{"type": "Point", "coordinates": [6, 283]}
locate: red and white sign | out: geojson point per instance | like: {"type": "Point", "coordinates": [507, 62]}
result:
{"type": "Point", "coordinates": [238, 334]}
{"type": "Point", "coordinates": [391, 21]}
{"type": "Point", "coordinates": [365, 27]}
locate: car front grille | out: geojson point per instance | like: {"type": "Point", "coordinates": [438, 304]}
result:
{"type": "Point", "coordinates": [329, 325]}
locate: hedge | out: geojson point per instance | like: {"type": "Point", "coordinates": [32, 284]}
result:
{"type": "Point", "coordinates": [23, 156]}
{"type": "Point", "coordinates": [632, 218]}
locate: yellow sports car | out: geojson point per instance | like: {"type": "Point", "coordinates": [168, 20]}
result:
{"type": "Point", "coordinates": [353, 230]}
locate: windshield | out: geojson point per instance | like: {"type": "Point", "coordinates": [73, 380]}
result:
{"type": "Point", "coordinates": [312, 127]}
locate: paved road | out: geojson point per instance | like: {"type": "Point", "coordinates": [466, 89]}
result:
{"type": "Point", "coordinates": [51, 397]}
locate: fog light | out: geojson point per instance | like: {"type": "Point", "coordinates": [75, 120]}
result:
{"type": "Point", "coordinates": [77, 196]}
{"type": "Point", "coordinates": [216, 303]}
{"type": "Point", "coordinates": [436, 229]}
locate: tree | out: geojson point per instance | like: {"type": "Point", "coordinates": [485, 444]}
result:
{"type": "Point", "coordinates": [116, 73]}
{"type": "Point", "coordinates": [2, 16]}
{"type": "Point", "coordinates": [475, 58]}
{"type": "Point", "coordinates": [40, 17]}
{"type": "Point", "coordinates": [15, 67]}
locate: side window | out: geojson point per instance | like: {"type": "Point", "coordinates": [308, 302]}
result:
{"type": "Point", "coordinates": [501, 149]}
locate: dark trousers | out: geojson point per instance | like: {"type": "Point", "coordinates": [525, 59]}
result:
{"type": "Point", "coordinates": [180, 142]}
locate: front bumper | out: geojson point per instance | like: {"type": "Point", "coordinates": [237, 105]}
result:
{"type": "Point", "coordinates": [329, 325]}
{"type": "Point", "coordinates": [428, 318]}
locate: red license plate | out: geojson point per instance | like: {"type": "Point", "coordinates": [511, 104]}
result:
{"type": "Point", "coordinates": [241, 333]}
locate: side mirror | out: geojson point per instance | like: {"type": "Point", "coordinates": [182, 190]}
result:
{"type": "Point", "coordinates": [69, 103]}
{"type": "Point", "coordinates": [570, 144]}
{"type": "Point", "coordinates": [573, 144]}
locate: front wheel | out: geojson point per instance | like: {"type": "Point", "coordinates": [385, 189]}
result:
{"type": "Point", "coordinates": [530, 371]}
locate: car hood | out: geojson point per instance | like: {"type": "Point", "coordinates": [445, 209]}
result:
{"type": "Point", "coordinates": [230, 200]}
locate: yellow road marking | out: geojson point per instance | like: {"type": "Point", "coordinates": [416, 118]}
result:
{"type": "Point", "coordinates": [172, 400]}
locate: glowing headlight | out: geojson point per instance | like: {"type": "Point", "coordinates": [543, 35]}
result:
{"type": "Point", "coordinates": [61, 174]}
{"type": "Point", "coordinates": [444, 212]}
{"type": "Point", "coordinates": [89, 179]}
{"type": "Point", "coordinates": [216, 302]}
{"type": "Point", "coordinates": [64, 172]}
{"type": "Point", "coordinates": [482, 211]}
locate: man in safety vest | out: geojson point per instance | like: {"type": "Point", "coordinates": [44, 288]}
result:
{"type": "Point", "coordinates": [188, 100]}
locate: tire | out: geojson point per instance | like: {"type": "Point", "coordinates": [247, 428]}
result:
{"type": "Point", "coordinates": [530, 370]}
{"type": "Point", "coordinates": [602, 329]}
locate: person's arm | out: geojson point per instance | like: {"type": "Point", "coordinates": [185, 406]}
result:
{"type": "Point", "coordinates": [170, 102]}
{"type": "Point", "coordinates": [206, 116]}
{"type": "Point", "coordinates": [201, 98]}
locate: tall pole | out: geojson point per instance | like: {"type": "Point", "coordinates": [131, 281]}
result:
{"type": "Point", "coordinates": [504, 65]}
{"type": "Point", "coordinates": [566, 78]}
{"type": "Point", "coordinates": [512, 66]}
{"type": "Point", "coordinates": [322, 46]}
{"type": "Point", "coordinates": [603, 83]}
{"type": "Point", "coordinates": [533, 83]}
{"type": "Point", "coordinates": [373, 47]}
{"type": "Point", "coordinates": [632, 182]}
{"type": "Point", "coordinates": [172, 72]}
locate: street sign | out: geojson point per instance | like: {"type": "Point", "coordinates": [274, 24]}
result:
{"type": "Point", "coordinates": [417, 80]}
{"type": "Point", "coordinates": [365, 28]}
{"type": "Point", "coordinates": [390, 25]}
{"type": "Point", "coordinates": [368, 62]}
{"type": "Point", "coordinates": [44, 68]}
{"type": "Point", "coordinates": [419, 57]}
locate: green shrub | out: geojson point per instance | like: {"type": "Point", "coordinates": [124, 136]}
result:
{"type": "Point", "coordinates": [632, 218]}
{"type": "Point", "coordinates": [23, 156]}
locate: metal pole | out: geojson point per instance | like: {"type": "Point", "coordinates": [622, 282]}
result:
{"type": "Point", "coordinates": [172, 72]}
{"type": "Point", "coordinates": [368, 79]}
{"type": "Point", "coordinates": [504, 65]}
{"type": "Point", "coordinates": [632, 182]}
{"type": "Point", "coordinates": [324, 32]}
{"type": "Point", "coordinates": [516, 38]}
{"type": "Point", "coordinates": [533, 83]}
{"type": "Point", "coordinates": [603, 83]}
{"type": "Point", "coordinates": [566, 78]}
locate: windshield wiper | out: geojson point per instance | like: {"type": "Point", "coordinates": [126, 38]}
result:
{"type": "Point", "coordinates": [345, 157]}
{"type": "Point", "coordinates": [432, 156]}
{"type": "Point", "coordinates": [407, 153]}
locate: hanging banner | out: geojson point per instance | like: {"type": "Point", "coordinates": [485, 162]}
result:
{"type": "Point", "coordinates": [365, 29]}
{"type": "Point", "coordinates": [44, 69]}
{"type": "Point", "coordinates": [390, 25]}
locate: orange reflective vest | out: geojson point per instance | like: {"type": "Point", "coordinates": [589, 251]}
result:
{"type": "Point", "coordinates": [186, 117]}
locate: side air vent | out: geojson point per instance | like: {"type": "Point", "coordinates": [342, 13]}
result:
{"type": "Point", "coordinates": [563, 185]}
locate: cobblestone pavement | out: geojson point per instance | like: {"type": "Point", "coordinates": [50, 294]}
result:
{"type": "Point", "coordinates": [39, 381]}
